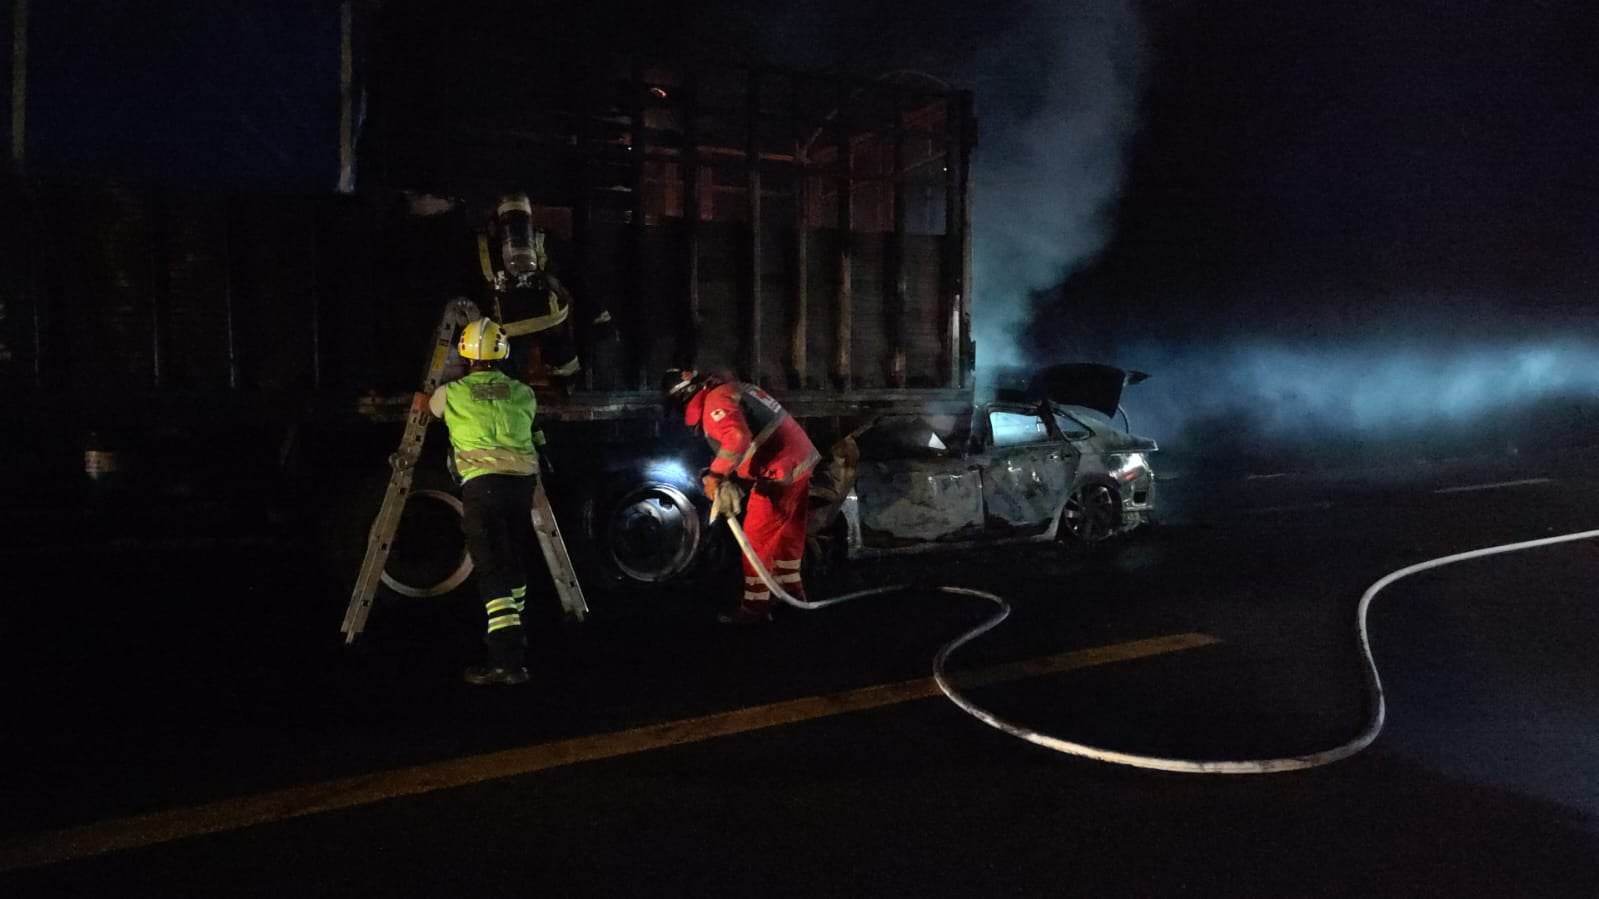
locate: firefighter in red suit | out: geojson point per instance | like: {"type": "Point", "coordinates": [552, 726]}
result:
{"type": "Point", "coordinates": [759, 444]}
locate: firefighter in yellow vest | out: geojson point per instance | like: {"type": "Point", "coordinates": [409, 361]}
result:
{"type": "Point", "coordinates": [490, 417]}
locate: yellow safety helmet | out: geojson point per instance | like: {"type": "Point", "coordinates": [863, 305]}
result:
{"type": "Point", "coordinates": [484, 341]}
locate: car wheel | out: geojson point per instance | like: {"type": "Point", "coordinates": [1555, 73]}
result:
{"type": "Point", "coordinates": [1093, 514]}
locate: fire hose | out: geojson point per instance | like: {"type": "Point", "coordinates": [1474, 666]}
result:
{"type": "Point", "coordinates": [1374, 722]}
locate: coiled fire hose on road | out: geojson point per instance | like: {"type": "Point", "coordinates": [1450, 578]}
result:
{"type": "Point", "coordinates": [1187, 766]}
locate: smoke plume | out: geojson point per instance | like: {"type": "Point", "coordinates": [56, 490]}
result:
{"type": "Point", "coordinates": [1057, 99]}
{"type": "Point", "coordinates": [1355, 399]}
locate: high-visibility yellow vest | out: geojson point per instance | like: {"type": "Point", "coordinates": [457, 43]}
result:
{"type": "Point", "coordinates": [490, 417]}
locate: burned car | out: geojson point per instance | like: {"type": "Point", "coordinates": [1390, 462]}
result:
{"type": "Point", "coordinates": [1045, 462]}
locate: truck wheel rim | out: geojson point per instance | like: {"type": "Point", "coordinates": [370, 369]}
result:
{"type": "Point", "coordinates": [456, 578]}
{"type": "Point", "coordinates": [653, 533]}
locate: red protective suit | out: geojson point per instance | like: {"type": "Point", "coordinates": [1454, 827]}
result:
{"type": "Point", "coordinates": [756, 440]}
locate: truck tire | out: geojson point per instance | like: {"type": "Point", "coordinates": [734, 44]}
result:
{"type": "Point", "coordinates": [428, 558]}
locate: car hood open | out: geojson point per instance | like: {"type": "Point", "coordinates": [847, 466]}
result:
{"type": "Point", "coordinates": [1096, 386]}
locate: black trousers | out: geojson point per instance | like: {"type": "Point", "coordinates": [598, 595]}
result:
{"type": "Point", "coordinates": [498, 526]}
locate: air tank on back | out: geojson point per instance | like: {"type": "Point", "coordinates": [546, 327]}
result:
{"type": "Point", "coordinates": [519, 250]}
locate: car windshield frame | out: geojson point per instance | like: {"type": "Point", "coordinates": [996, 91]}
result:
{"type": "Point", "coordinates": [1089, 419]}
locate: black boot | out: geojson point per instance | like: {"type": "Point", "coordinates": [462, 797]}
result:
{"type": "Point", "coordinates": [495, 676]}
{"type": "Point", "coordinates": [747, 614]}
{"type": "Point", "coordinates": [507, 648]}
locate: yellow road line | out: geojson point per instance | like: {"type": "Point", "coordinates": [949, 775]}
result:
{"type": "Point", "coordinates": [294, 802]}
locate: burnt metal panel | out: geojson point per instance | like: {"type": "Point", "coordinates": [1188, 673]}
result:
{"type": "Point", "coordinates": [822, 320]}
{"type": "Point", "coordinates": [919, 501]}
{"type": "Point", "coordinates": [951, 267]}
{"type": "Point", "coordinates": [799, 268]}
{"type": "Point", "coordinates": [870, 342]}
{"type": "Point", "coordinates": [843, 337]}
{"type": "Point", "coordinates": [922, 320]}
{"type": "Point", "coordinates": [965, 345]}
{"type": "Point", "coordinates": [894, 299]}
{"type": "Point", "coordinates": [688, 350]}
{"type": "Point", "coordinates": [637, 337]}
{"type": "Point", "coordinates": [723, 258]}
{"type": "Point", "coordinates": [754, 367]}
{"type": "Point", "coordinates": [661, 307]}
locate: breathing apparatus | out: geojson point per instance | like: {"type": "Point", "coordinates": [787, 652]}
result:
{"type": "Point", "coordinates": [521, 246]}
{"type": "Point", "coordinates": [1368, 734]}
{"type": "Point", "coordinates": [526, 298]}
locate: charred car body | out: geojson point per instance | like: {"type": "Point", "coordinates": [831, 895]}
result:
{"type": "Point", "coordinates": [1043, 463]}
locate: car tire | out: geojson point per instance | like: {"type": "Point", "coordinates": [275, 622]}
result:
{"type": "Point", "coordinates": [1092, 515]}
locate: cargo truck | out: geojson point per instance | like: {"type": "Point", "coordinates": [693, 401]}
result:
{"type": "Point", "coordinates": [808, 232]}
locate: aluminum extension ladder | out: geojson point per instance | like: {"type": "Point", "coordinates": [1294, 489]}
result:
{"type": "Point", "coordinates": [403, 463]}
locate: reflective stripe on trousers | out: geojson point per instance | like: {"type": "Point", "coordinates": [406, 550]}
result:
{"type": "Point", "coordinates": [506, 611]}
{"type": "Point", "coordinates": [498, 526]}
{"type": "Point", "coordinates": [774, 522]}
{"type": "Point", "coordinates": [786, 571]}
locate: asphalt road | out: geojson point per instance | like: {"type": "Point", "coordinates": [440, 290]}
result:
{"type": "Point", "coordinates": [195, 710]}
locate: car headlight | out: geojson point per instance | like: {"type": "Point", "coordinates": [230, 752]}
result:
{"type": "Point", "coordinates": [1128, 466]}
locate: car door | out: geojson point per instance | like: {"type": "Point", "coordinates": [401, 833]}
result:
{"type": "Point", "coordinates": [924, 497]}
{"type": "Point", "coordinates": [1027, 470]}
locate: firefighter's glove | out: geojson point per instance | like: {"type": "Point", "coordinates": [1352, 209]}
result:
{"type": "Point", "coordinates": [709, 484]}
{"type": "Point", "coordinates": [731, 499]}
{"type": "Point", "coordinates": [727, 501]}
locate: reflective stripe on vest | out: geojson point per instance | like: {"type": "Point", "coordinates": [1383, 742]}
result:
{"type": "Point", "coordinates": [496, 461]}
{"type": "Point", "coordinates": [765, 435]}
{"type": "Point", "coordinates": [800, 470]}
{"type": "Point", "coordinates": [759, 409]}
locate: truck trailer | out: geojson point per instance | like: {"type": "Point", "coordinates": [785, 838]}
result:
{"type": "Point", "coordinates": [808, 232]}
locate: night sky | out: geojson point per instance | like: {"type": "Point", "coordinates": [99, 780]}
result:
{"type": "Point", "coordinates": [1362, 155]}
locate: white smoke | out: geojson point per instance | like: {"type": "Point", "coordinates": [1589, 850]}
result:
{"type": "Point", "coordinates": [1369, 389]}
{"type": "Point", "coordinates": [1057, 102]}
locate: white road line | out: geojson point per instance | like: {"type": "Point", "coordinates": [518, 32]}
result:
{"type": "Point", "coordinates": [1494, 486]}
{"type": "Point", "coordinates": [1304, 507]}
